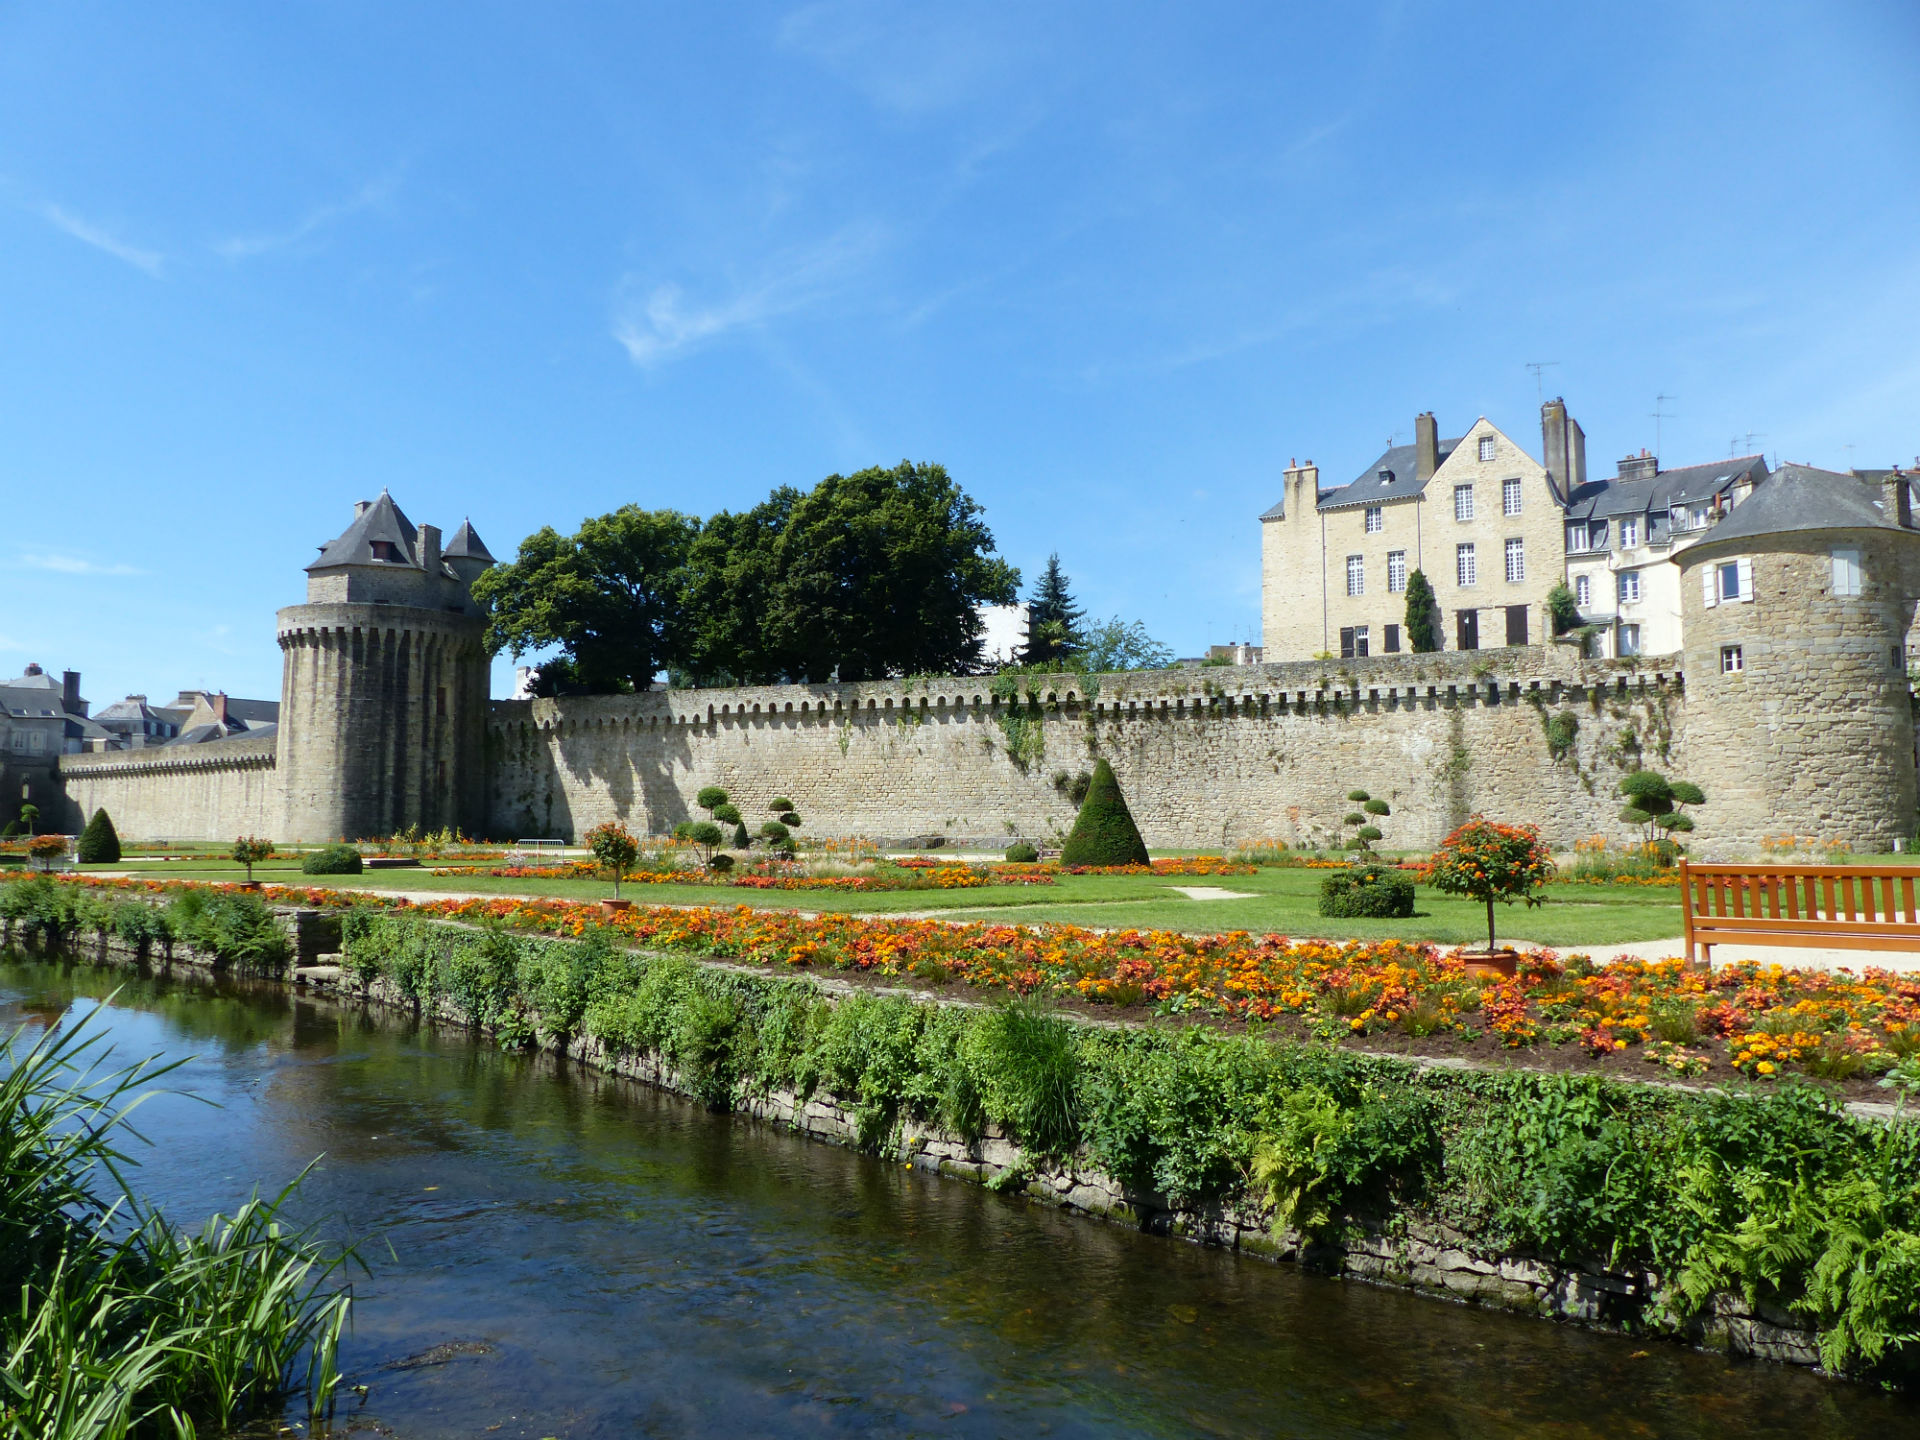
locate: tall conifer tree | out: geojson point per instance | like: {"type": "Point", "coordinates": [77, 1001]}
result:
{"type": "Point", "coordinates": [1053, 619]}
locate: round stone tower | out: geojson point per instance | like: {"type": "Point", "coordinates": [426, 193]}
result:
{"type": "Point", "coordinates": [383, 699]}
{"type": "Point", "coordinates": [1799, 719]}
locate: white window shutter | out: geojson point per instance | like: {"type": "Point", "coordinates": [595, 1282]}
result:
{"type": "Point", "coordinates": [1746, 578]}
{"type": "Point", "coordinates": [1708, 585]}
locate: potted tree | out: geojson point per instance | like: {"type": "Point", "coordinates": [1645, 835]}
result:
{"type": "Point", "coordinates": [616, 850]}
{"type": "Point", "coordinates": [1490, 862]}
{"type": "Point", "coordinates": [250, 850]}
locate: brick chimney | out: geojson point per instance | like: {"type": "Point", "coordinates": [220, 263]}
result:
{"type": "Point", "coordinates": [1639, 467]}
{"type": "Point", "coordinates": [218, 703]}
{"type": "Point", "coordinates": [1896, 500]}
{"type": "Point", "coordinates": [1564, 449]}
{"type": "Point", "coordinates": [1426, 446]}
{"type": "Point", "coordinates": [360, 507]}
{"type": "Point", "coordinates": [430, 549]}
{"type": "Point", "coordinates": [1303, 490]}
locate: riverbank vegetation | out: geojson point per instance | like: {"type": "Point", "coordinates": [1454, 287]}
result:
{"type": "Point", "coordinates": [117, 1324]}
{"type": "Point", "coordinates": [1773, 1194]}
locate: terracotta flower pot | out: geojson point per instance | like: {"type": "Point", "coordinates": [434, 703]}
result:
{"type": "Point", "coordinates": [614, 907]}
{"type": "Point", "coordinates": [247, 884]}
{"type": "Point", "coordinates": [1491, 964]}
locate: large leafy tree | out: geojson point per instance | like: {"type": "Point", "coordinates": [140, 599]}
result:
{"type": "Point", "coordinates": [611, 597]}
{"type": "Point", "coordinates": [733, 567]}
{"type": "Point", "coordinates": [1116, 644]}
{"type": "Point", "coordinates": [1053, 619]}
{"type": "Point", "coordinates": [878, 573]}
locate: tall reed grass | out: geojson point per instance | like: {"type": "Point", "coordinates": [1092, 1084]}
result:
{"type": "Point", "coordinates": [114, 1324]}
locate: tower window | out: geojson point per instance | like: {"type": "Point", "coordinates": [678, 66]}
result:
{"type": "Point", "coordinates": [440, 701]}
{"type": "Point", "coordinates": [1486, 447]}
{"type": "Point", "coordinates": [1509, 497]}
{"type": "Point", "coordinates": [1846, 570]}
{"type": "Point", "coordinates": [383, 550]}
{"type": "Point", "coordinates": [1731, 660]}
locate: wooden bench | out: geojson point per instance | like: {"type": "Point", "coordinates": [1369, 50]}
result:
{"type": "Point", "coordinates": [1840, 907]}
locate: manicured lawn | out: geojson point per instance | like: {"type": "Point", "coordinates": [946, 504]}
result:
{"type": "Point", "coordinates": [1279, 901]}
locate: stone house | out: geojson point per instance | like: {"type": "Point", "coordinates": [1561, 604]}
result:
{"type": "Point", "coordinates": [1622, 531]}
{"type": "Point", "coordinates": [1478, 515]}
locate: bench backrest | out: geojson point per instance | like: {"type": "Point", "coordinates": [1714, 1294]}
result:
{"type": "Point", "coordinates": [1834, 895]}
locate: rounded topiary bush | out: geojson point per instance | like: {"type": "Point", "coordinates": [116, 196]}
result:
{"type": "Point", "coordinates": [99, 843]}
{"type": "Point", "coordinates": [1367, 891]}
{"type": "Point", "coordinates": [332, 860]}
{"type": "Point", "coordinates": [1104, 833]}
{"type": "Point", "coordinates": [1021, 853]}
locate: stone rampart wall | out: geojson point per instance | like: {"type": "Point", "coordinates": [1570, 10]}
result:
{"type": "Point", "coordinates": [1206, 757]}
{"type": "Point", "coordinates": [191, 792]}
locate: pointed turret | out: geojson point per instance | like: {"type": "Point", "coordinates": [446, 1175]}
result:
{"type": "Point", "coordinates": [467, 554]}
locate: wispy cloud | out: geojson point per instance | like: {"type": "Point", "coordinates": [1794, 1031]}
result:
{"type": "Point", "coordinates": [911, 61]}
{"type": "Point", "coordinates": [73, 565]}
{"type": "Point", "coordinates": [661, 323]}
{"type": "Point", "coordinates": [313, 223]}
{"type": "Point", "coordinates": [7, 642]}
{"type": "Point", "coordinates": [88, 233]}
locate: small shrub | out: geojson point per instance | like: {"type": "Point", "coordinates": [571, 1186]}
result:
{"type": "Point", "coordinates": [1104, 832]}
{"type": "Point", "coordinates": [1029, 1065]}
{"type": "Point", "coordinates": [99, 842]}
{"type": "Point", "coordinates": [332, 860]}
{"type": "Point", "coordinates": [1366, 891]}
{"type": "Point", "coordinates": [710, 798]}
{"type": "Point", "coordinates": [1021, 853]}
{"type": "Point", "coordinates": [721, 863]}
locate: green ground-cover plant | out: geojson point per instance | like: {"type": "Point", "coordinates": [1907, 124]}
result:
{"type": "Point", "coordinates": [1775, 1194]}
{"type": "Point", "coordinates": [117, 1324]}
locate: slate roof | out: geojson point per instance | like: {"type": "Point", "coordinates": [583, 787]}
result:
{"type": "Point", "coordinates": [1686, 484]}
{"type": "Point", "coordinates": [1801, 497]}
{"type": "Point", "coordinates": [466, 544]}
{"type": "Point", "coordinates": [1366, 489]}
{"type": "Point", "coordinates": [382, 520]}
{"type": "Point", "coordinates": [30, 701]}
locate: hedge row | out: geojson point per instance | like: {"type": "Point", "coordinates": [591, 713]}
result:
{"type": "Point", "coordinates": [1779, 1195]}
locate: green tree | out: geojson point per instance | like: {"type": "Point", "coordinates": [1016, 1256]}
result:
{"type": "Point", "coordinates": [879, 573]}
{"type": "Point", "coordinates": [29, 816]}
{"type": "Point", "coordinates": [711, 798]}
{"type": "Point", "coordinates": [1111, 645]}
{"type": "Point", "coordinates": [1488, 862]}
{"type": "Point", "coordinates": [99, 843]}
{"type": "Point", "coordinates": [1422, 637]}
{"type": "Point", "coordinates": [1104, 833]}
{"type": "Point", "coordinates": [733, 567]}
{"type": "Point", "coordinates": [1053, 620]}
{"type": "Point", "coordinates": [1563, 609]}
{"type": "Point", "coordinates": [612, 598]}
{"type": "Point", "coordinates": [615, 848]}
{"type": "Point", "coordinates": [250, 850]}
{"type": "Point", "coordinates": [1656, 804]}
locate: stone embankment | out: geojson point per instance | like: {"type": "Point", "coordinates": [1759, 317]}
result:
{"type": "Point", "coordinates": [1410, 1252]}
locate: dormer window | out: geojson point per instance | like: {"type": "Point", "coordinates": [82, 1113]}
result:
{"type": "Point", "coordinates": [384, 550]}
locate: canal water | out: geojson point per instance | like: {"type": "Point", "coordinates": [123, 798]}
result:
{"type": "Point", "coordinates": [557, 1253]}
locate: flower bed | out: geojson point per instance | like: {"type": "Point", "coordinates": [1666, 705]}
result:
{"type": "Point", "coordinates": [1759, 1021]}
{"type": "Point", "coordinates": [945, 877]}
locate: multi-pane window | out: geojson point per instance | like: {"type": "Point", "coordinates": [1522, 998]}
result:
{"type": "Point", "coordinates": [1376, 521]}
{"type": "Point", "coordinates": [1846, 570]}
{"type": "Point", "coordinates": [1396, 571]}
{"type": "Point", "coordinates": [1583, 590]}
{"type": "Point", "coordinates": [1731, 661]}
{"type": "Point", "coordinates": [1356, 575]}
{"type": "Point", "coordinates": [1486, 447]}
{"type": "Point", "coordinates": [1516, 561]}
{"type": "Point", "coordinates": [1587, 537]}
{"type": "Point", "coordinates": [1629, 534]}
{"type": "Point", "coordinates": [1629, 639]}
{"type": "Point", "coordinates": [1463, 502]}
{"type": "Point", "coordinates": [1509, 497]}
{"type": "Point", "coordinates": [1628, 582]}
{"type": "Point", "coordinates": [1466, 569]}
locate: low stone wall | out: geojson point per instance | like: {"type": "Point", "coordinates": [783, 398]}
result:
{"type": "Point", "coordinates": [214, 791]}
{"type": "Point", "coordinates": [1414, 1253]}
{"type": "Point", "coordinates": [1207, 757]}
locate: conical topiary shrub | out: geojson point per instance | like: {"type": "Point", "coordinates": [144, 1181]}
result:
{"type": "Point", "coordinates": [99, 842]}
{"type": "Point", "coordinates": [1104, 833]}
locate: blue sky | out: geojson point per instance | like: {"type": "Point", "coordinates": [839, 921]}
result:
{"type": "Point", "coordinates": [1111, 264]}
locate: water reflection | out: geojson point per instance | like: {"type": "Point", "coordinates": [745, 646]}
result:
{"type": "Point", "coordinates": [601, 1260]}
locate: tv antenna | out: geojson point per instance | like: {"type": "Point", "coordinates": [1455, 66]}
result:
{"type": "Point", "coordinates": [1660, 415]}
{"type": "Point", "coordinates": [1743, 444]}
{"type": "Point", "coordinates": [1538, 367]}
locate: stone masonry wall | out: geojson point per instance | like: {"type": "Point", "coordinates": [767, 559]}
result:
{"type": "Point", "coordinates": [1206, 757]}
{"type": "Point", "coordinates": [215, 791]}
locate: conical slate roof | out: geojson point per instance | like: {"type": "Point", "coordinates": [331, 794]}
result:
{"type": "Point", "coordinates": [382, 520]}
{"type": "Point", "coordinates": [1800, 497]}
{"type": "Point", "coordinates": [466, 544]}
